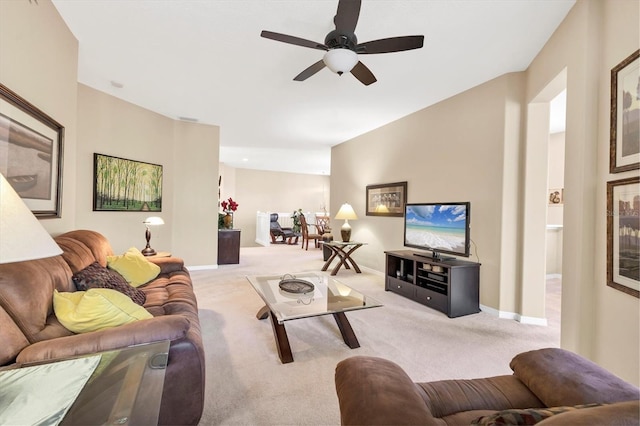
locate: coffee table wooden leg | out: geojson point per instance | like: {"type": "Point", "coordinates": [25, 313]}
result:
{"type": "Point", "coordinates": [282, 341]}
{"type": "Point", "coordinates": [348, 335]}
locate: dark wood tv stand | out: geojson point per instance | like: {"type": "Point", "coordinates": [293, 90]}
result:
{"type": "Point", "coordinates": [451, 286]}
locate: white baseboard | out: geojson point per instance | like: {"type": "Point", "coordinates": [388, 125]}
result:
{"type": "Point", "coordinates": [532, 320]}
{"type": "Point", "coordinates": [201, 267]}
{"type": "Point", "coordinates": [514, 316]}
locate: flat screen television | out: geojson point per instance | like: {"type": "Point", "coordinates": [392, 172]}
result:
{"type": "Point", "coordinates": [438, 227]}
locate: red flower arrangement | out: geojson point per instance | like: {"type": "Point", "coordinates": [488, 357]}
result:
{"type": "Point", "coordinates": [229, 205]}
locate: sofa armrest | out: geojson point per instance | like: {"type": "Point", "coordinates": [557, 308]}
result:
{"type": "Point", "coordinates": [170, 327]}
{"type": "Point", "coordinates": [559, 377]}
{"type": "Point", "coordinates": [168, 264]}
{"type": "Point", "coordinates": [375, 391]}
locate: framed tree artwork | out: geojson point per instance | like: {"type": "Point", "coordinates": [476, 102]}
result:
{"type": "Point", "coordinates": [31, 154]}
{"type": "Point", "coordinates": [126, 185]}
{"type": "Point", "coordinates": [624, 151]}
{"type": "Point", "coordinates": [623, 235]}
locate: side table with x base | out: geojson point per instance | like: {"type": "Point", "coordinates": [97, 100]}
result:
{"type": "Point", "coordinates": [343, 251]}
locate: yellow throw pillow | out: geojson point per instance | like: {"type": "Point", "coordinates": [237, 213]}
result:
{"type": "Point", "coordinates": [134, 267]}
{"type": "Point", "coordinates": [95, 309]}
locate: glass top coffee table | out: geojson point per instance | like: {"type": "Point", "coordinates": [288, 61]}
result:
{"type": "Point", "coordinates": [307, 294]}
{"type": "Point", "coordinates": [124, 388]}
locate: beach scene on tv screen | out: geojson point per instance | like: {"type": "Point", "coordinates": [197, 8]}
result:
{"type": "Point", "coordinates": [440, 227]}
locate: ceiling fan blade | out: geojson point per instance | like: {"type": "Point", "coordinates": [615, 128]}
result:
{"type": "Point", "coordinates": [293, 40]}
{"type": "Point", "coordinates": [364, 74]}
{"type": "Point", "coordinates": [388, 45]}
{"type": "Point", "coordinates": [347, 15]}
{"type": "Point", "coordinates": [310, 71]}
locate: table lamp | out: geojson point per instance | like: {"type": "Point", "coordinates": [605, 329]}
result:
{"type": "Point", "coordinates": [150, 221]}
{"type": "Point", "coordinates": [22, 237]}
{"type": "Point", "coordinates": [346, 212]}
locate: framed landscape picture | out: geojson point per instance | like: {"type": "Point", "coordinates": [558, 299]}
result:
{"type": "Point", "coordinates": [31, 154]}
{"type": "Point", "coordinates": [387, 199]}
{"type": "Point", "coordinates": [126, 185]}
{"type": "Point", "coordinates": [624, 151]}
{"type": "Point", "coordinates": [623, 235]}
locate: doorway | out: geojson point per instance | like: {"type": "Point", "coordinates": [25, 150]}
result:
{"type": "Point", "coordinates": [543, 171]}
{"type": "Point", "coordinates": [555, 208]}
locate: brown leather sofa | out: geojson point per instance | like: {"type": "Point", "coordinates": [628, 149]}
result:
{"type": "Point", "coordinates": [375, 391]}
{"type": "Point", "coordinates": [30, 331]}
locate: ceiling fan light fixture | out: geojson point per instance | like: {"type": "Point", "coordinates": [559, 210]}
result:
{"type": "Point", "coordinates": [340, 60]}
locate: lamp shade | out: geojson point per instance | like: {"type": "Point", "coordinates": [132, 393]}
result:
{"type": "Point", "coordinates": [22, 237]}
{"type": "Point", "coordinates": [346, 212]}
{"type": "Point", "coordinates": [153, 221]}
{"type": "Point", "coordinates": [340, 60]}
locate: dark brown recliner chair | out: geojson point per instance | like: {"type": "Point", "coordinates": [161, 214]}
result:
{"type": "Point", "coordinates": [277, 231]}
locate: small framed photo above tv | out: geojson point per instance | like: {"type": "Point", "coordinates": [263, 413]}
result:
{"type": "Point", "coordinates": [387, 199]}
{"type": "Point", "coordinates": [126, 185]}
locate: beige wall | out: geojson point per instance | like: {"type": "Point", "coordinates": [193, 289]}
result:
{"type": "Point", "coordinates": [39, 60]}
{"type": "Point", "coordinates": [597, 321]}
{"type": "Point", "coordinates": [196, 150]}
{"type": "Point", "coordinates": [616, 337]}
{"type": "Point", "coordinates": [188, 153]}
{"type": "Point", "coordinates": [110, 126]}
{"type": "Point", "coordinates": [258, 190]}
{"type": "Point", "coordinates": [452, 151]}
{"type": "Point", "coordinates": [555, 212]}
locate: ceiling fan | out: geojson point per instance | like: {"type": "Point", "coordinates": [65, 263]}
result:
{"type": "Point", "coordinates": [342, 45]}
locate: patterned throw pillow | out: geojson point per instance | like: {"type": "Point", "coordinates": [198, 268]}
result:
{"type": "Point", "coordinates": [528, 416]}
{"type": "Point", "coordinates": [96, 276]}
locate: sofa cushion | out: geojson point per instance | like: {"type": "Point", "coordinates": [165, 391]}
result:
{"type": "Point", "coordinates": [619, 413]}
{"type": "Point", "coordinates": [96, 276]}
{"type": "Point", "coordinates": [526, 416]}
{"type": "Point", "coordinates": [134, 267]}
{"type": "Point", "coordinates": [82, 247]}
{"type": "Point", "coordinates": [95, 309]}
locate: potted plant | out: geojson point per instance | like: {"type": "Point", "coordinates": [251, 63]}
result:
{"type": "Point", "coordinates": [225, 220]}
{"type": "Point", "coordinates": [295, 216]}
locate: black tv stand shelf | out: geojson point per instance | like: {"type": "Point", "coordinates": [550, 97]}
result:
{"type": "Point", "coordinates": [451, 286]}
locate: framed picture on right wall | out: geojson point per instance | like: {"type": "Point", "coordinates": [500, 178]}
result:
{"type": "Point", "coordinates": [624, 151]}
{"type": "Point", "coordinates": [623, 235]}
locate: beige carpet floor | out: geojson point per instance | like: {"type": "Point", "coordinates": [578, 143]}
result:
{"type": "Point", "coordinates": [247, 385]}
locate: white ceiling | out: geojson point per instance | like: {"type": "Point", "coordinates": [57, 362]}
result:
{"type": "Point", "coordinates": [205, 59]}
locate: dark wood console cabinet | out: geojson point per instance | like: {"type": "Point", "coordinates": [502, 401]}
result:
{"type": "Point", "coordinates": [451, 286]}
{"type": "Point", "coordinates": [228, 246]}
